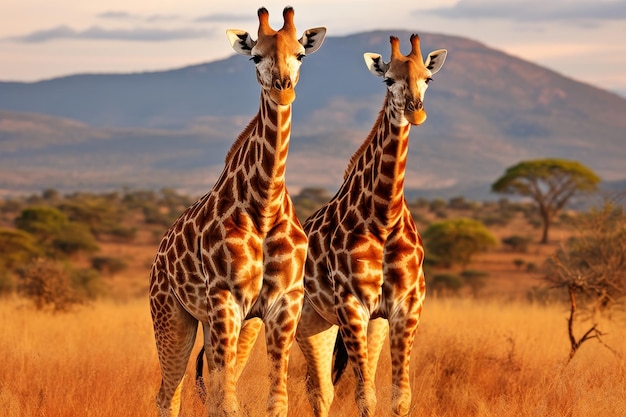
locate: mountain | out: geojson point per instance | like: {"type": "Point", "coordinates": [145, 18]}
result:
{"type": "Point", "coordinates": [486, 111]}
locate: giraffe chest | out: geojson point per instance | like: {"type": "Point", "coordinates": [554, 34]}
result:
{"type": "Point", "coordinates": [229, 257]}
{"type": "Point", "coordinates": [348, 260]}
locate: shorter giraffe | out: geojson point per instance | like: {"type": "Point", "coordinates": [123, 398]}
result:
{"type": "Point", "coordinates": [364, 259]}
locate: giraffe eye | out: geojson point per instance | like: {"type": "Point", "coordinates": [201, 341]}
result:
{"type": "Point", "coordinates": [428, 80]}
{"type": "Point", "coordinates": [300, 57]}
{"type": "Point", "coordinates": [256, 59]}
{"type": "Point", "coordinates": [389, 81]}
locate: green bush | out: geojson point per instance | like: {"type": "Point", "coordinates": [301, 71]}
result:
{"type": "Point", "coordinates": [123, 234]}
{"type": "Point", "coordinates": [42, 222]}
{"type": "Point", "coordinates": [446, 283]}
{"type": "Point", "coordinates": [456, 241]}
{"type": "Point", "coordinates": [17, 248]}
{"type": "Point", "coordinates": [74, 238]}
{"type": "Point", "coordinates": [86, 283]}
{"type": "Point", "coordinates": [108, 264]}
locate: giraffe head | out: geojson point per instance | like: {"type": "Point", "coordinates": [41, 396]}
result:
{"type": "Point", "coordinates": [277, 54]}
{"type": "Point", "coordinates": [407, 77]}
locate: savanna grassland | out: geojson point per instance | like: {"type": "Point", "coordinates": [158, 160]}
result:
{"type": "Point", "coordinates": [472, 358]}
{"type": "Point", "coordinates": [487, 351]}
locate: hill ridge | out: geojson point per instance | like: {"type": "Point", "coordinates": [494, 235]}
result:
{"type": "Point", "coordinates": [171, 128]}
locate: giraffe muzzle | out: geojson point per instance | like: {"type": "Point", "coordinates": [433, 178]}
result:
{"type": "Point", "coordinates": [284, 84]}
{"type": "Point", "coordinates": [283, 91]}
{"type": "Point", "coordinates": [414, 111]}
{"type": "Point", "coordinates": [415, 105]}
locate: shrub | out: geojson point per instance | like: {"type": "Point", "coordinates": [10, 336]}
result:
{"type": "Point", "coordinates": [459, 203]}
{"type": "Point", "coordinates": [50, 283]}
{"type": "Point", "coordinates": [86, 283]}
{"type": "Point", "coordinates": [108, 264]}
{"type": "Point", "coordinates": [446, 283]}
{"type": "Point", "coordinates": [47, 284]}
{"type": "Point", "coordinates": [123, 234]}
{"type": "Point", "coordinates": [517, 243]}
{"type": "Point", "coordinates": [42, 222]}
{"type": "Point", "coordinates": [437, 205]}
{"type": "Point", "coordinates": [17, 248]}
{"type": "Point", "coordinates": [74, 238]}
{"type": "Point", "coordinates": [6, 283]}
{"type": "Point", "coordinates": [590, 267]}
{"type": "Point", "coordinates": [531, 267]}
{"type": "Point", "coordinates": [474, 279]}
{"type": "Point", "coordinates": [100, 213]}
{"type": "Point", "coordinates": [496, 219]}
{"type": "Point", "coordinates": [456, 241]}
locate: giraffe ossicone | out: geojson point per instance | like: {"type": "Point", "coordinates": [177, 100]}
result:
{"type": "Point", "coordinates": [235, 258]}
{"type": "Point", "coordinates": [363, 273]}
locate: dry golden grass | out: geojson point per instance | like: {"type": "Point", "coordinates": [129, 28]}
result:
{"type": "Point", "coordinates": [471, 358]}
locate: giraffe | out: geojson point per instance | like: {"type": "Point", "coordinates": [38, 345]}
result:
{"type": "Point", "coordinates": [365, 255]}
{"type": "Point", "coordinates": [236, 256]}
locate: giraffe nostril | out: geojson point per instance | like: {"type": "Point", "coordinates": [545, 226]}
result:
{"type": "Point", "coordinates": [284, 84]}
{"type": "Point", "coordinates": [415, 105]}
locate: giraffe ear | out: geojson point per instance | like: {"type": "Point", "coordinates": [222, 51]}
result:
{"type": "Point", "coordinates": [375, 64]}
{"type": "Point", "coordinates": [435, 60]}
{"type": "Point", "coordinates": [312, 39]}
{"type": "Point", "coordinates": [241, 41]}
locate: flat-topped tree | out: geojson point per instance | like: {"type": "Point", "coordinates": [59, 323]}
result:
{"type": "Point", "coordinates": [550, 182]}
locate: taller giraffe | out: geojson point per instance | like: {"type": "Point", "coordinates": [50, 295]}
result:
{"type": "Point", "coordinates": [365, 255]}
{"type": "Point", "coordinates": [238, 252]}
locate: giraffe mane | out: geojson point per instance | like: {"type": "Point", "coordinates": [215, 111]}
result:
{"type": "Point", "coordinates": [243, 136]}
{"type": "Point", "coordinates": [355, 157]}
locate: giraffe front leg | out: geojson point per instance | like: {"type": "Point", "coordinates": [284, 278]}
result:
{"type": "Point", "coordinates": [316, 339]}
{"type": "Point", "coordinates": [224, 326]}
{"type": "Point", "coordinates": [247, 338]}
{"type": "Point", "coordinates": [280, 329]}
{"type": "Point", "coordinates": [353, 326]}
{"type": "Point", "coordinates": [402, 332]}
{"type": "Point", "coordinates": [377, 331]}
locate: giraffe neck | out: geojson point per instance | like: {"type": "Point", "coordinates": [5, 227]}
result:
{"type": "Point", "coordinates": [376, 181]}
{"type": "Point", "coordinates": [254, 176]}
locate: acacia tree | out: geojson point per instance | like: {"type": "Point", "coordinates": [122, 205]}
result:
{"type": "Point", "coordinates": [550, 182]}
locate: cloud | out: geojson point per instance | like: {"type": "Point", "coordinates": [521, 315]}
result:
{"type": "Point", "coordinates": [225, 17]}
{"type": "Point", "coordinates": [116, 15]}
{"type": "Point", "coordinates": [162, 18]}
{"type": "Point", "coordinates": [534, 10]}
{"type": "Point", "coordinates": [98, 33]}
{"type": "Point", "coordinates": [119, 15]}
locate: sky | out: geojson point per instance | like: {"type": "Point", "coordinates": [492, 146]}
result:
{"type": "Point", "coordinates": [42, 39]}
